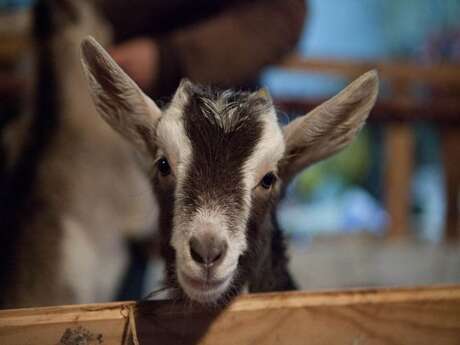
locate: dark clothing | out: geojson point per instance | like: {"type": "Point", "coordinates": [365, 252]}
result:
{"type": "Point", "coordinates": [219, 42]}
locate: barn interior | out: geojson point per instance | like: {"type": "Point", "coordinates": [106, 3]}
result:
{"type": "Point", "coordinates": [384, 212]}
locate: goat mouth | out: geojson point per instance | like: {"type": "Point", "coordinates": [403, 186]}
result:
{"type": "Point", "coordinates": [204, 284]}
{"type": "Point", "coordinates": [204, 290]}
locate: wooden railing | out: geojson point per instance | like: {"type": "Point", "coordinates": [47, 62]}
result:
{"type": "Point", "coordinates": [441, 74]}
{"type": "Point", "coordinates": [388, 316]}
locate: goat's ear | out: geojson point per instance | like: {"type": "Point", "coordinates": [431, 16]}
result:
{"type": "Point", "coordinates": [182, 93]}
{"type": "Point", "coordinates": [329, 127]}
{"type": "Point", "coordinates": [119, 101]}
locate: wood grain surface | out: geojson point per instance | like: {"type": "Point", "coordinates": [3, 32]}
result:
{"type": "Point", "coordinates": [380, 316]}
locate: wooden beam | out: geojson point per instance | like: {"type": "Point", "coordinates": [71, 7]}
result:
{"type": "Point", "coordinates": [15, 28]}
{"type": "Point", "coordinates": [395, 110]}
{"type": "Point", "coordinates": [382, 316]}
{"type": "Point", "coordinates": [440, 74]}
{"type": "Point", "coordinates": [399, 150]}
{"type": "Point", "coordinates": [450, 146]}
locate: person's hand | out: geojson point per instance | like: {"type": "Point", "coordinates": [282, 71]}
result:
{"type": "Point", "coordinates": [139, 59]}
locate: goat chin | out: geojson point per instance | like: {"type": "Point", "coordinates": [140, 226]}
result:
{"type": "Point", "coordinates": [202, 291]}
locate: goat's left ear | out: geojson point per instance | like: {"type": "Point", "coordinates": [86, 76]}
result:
{"type": "Point", "coordinates": [118, 99]}
{"type": "Point", "coordinates": [329, 127]}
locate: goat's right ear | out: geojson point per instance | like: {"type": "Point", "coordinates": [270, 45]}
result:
{"type": "Point", "coordinates": [329, 127]}
{"type": "Point", "coordinates": [118, 99]}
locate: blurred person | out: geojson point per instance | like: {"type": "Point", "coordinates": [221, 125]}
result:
{"type": "Point", "coordinates": [222, 43]}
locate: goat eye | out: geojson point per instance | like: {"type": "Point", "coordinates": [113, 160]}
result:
{"type": "Point", "coordinates": [163, 167]}
{"type": "Point", "coordinates": [268, 180]}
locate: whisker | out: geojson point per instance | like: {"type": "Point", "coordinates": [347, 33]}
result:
{"type": "Point", "coordinates": [155, 293]}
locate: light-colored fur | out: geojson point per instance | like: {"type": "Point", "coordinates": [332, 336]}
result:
{"type": "Point", "coordinates": [174, 142]}
{"type": "Point", "coordinates": [93, 182]}
{"type": "Point", "coordinates": [108, 197]}
{"type": "Point", "coordinates": [207, 220]}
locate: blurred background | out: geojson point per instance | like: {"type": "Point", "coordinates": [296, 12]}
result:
{"type": "Point", "coordinates": [387, 206]}
{"type": "Point", "coordinates": [383, 212]}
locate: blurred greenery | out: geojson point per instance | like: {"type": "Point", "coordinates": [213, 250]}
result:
{"type": "Point", "coordinates": [352, 164]}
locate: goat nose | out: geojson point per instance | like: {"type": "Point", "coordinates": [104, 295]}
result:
{"type": "Point", "coordinates": [208, 250]}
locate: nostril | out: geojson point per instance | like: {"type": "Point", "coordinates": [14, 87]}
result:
{"type": "Point", "coordinates": [216, 258]}
{"type": "Point", "coordinates": [208, 250]}
{"type": "Point", "coordinates": [220, 251]}
{"type": "Point", "coordinates": [196, 251]}
{"type": "Point", "coordinates": [216, 253]}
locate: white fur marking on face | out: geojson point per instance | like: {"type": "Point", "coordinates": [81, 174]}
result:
{"type": "Point", "coordinates": [209, 219]}
{"type": "Point", "coordinates": [213, 220]}
{"type": "Point", "coordinates": [209, 295]}
{"type": "Point", "coordinates": [173, 142]}
{"type": "Point", "coordinates": [267, 153]}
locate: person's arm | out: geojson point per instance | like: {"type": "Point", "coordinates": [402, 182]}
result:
{"type": "Point", "coordinates": [233, 47]}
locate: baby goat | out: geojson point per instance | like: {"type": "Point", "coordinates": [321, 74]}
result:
{"type": "Point", "coordinates": [218, 162]}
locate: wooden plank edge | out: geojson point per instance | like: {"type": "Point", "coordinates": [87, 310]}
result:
{"type": "Point", "coordinates": [300, 299]}
{"type": "Point", "coordinates": [252, 302]}
{"type": "Point", "coordinates": [431, 74]}
{"type": "Point", "coordinates": [447, 112]}
{"type": "Point", "coordinates": [65, 314]}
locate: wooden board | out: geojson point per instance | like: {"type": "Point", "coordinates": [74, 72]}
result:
{"type": "Point", "coordinates": [450, 145]}
{"type": "Point", "coordinates": [439, 111]}
{"type": "Point", "coordinates": [53, 325]}
{"type": "Point", "coordinates": [440, 74]}
{"type": "Point", "coordinates": [382, 316]}
{"type": "Point", "coordinates": [399, 151]}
